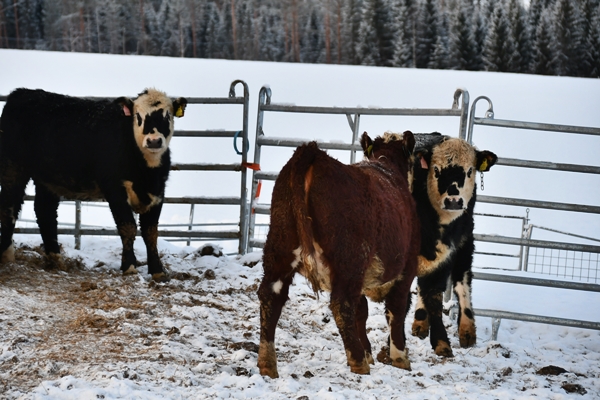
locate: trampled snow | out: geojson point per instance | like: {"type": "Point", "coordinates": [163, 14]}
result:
{"type": "Point", "coordinates": [89, 333]}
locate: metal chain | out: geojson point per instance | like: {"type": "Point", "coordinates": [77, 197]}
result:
{"type": "Point", "coordinates": [481, 178]}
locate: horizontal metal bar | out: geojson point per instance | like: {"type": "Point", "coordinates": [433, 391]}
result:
{"type": "Point", "coordinates": [483, 253]}
{"type": "Point", "coordinates": [203, 200]}
{"type": "Point", "coordinates": [538, 204]}
{"type": "Point", "coordinates": [524, 280]}
{"type": "Point", "coordinates": [262, 209]}
{"type": "Point", "coordinates": [190, 100]}
{"type": "Point", "coordinates": [206, 133]}
{"type": "Point", "coordinates": [206, 167]}
{"type": "Point", "coordinates": [231, 200]}
{"type": "Point", "coordinates": [266, 175]}
{"type": "Point", "coordinates": [215, 100]}
{"type": "Point", "coordinates": [513, 162]}
{"type": "Point", "coordinates": [285, 142]}
{"type": "Point", "coordinates": [536, 243]}
{"type": "Point", "coordinates": [162, 233]}
{"type": "Point", "coordinates": [432, 112]}
{"type": "Point", "coordinates": [537, 318]}
{"type": "Point", "coordinates": [502, 123]}
{"type": "Point", "coordinates": [253, 242]}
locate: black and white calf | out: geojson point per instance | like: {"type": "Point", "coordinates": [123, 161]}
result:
{"type": "Point", "coordinates": [445, 191]}
{"type": "Point", "coordinates": [86, 149]}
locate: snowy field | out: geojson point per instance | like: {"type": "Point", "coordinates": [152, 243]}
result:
{"type": "Point", "coordinates": [89, 333]}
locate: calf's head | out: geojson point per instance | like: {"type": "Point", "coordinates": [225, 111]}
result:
{"type": "Point", "coordinates": [451, 167]}
{"type": "Point", "coordinates": [153, 114]}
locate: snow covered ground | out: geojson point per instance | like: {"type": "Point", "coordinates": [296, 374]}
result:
{"type": "Point", "coordinates": [89, 333]}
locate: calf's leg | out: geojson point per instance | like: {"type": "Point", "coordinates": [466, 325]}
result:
{"type": "Point", "coordinates": [397, 303]}
{"type": "Point", "coordinates": [362, 313]}
{"type": "Point", "coordinates": [123, 216]}
{"type": "Point", "coordinates": [46, 206]}
{"type": "Point", "coordinates": [345, 299]}
{"type": "Point", "coordinates": [420, 326]}
{"type": "Point", "coordinates": [461, 278]}
{"type": "Point", "coordinates": [272, 293]}
{"type": "Point", "coordinates": [11, 200]}
{"type": "Point", "coordinates": [432, 287]}
{"type": "Point", "coordinates": [149, 228]}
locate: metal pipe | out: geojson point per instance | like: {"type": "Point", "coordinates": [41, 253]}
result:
{"type": "Point", "coordinates": [539, 204]}
{"type": "Point", "coordinates": [537, 318]}
{"type": "Point", "coordinates": [524, 280]}
{"type": "Point", "coordinates": [536, 243]}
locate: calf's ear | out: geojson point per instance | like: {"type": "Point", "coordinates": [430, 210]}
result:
{"type": "Point", "coordinates": [367, 144]}
{"type": "Point", "coordinates": [424, 158]}
{"type": "Point", "coordinates": [126, 105]}
{"type": "Point", "coordinates": [409, 141]}
{"type": "Point", "coordinates": [179, 106]}
{"type": "Point", "coordinates": [485, 160]}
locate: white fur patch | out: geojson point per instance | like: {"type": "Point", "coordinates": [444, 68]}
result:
{"type": "Point", "coordinates": [277, 287]}
{"type": "Point", "coordinates": [9, 254]}
{"type": "Point", "coordinates": [463, 293]}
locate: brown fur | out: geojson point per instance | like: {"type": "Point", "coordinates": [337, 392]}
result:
{"type": "Point", "coordinates": [350, 229]}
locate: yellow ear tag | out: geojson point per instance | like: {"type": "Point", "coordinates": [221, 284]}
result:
{"type": "Point", "coordinates": [369, 150]}
{"type": "Point", "coordinates": [483, 166]}
{"type": "Point", "coordinates": [179, 112]}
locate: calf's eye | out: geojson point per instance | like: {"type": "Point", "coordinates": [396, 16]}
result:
{"type": "Point", "coordinates": [436, 171]}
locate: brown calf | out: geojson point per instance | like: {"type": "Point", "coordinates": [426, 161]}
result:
{"type": "Point", "coordinates": [351, 230]}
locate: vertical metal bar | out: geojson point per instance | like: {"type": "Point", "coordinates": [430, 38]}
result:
{"type": "Point", "coordinates": [77, 225]}
{"type": "Point", "coordinates": [264, 98]}
{"type": "Point", "coordinates": [354, 125]}
{"type": "Point", "coordinates": [526, 255]}
{"type": "Point", "coordinates": [488, 114]}
{"type": "Point", "coordinates": [464, 107]}
{"type": "Point", "coordinates": [191, 223]}
{"type": "Point", "coordinates": [495, 328]}
{"type": "Point", "coordinates": [243, 243]}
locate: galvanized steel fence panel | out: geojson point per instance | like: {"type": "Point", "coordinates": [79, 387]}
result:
{"type": "Point", "coordinates": [241, 201]}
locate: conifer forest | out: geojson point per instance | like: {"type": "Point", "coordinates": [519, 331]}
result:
{"type": "Point", "coordinates": [550, 37]}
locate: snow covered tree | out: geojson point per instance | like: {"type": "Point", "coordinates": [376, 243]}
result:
{"type": "Point", "coordinates": [461, 40]}
{"type": "Point", "coordinates": [312, 40]}
{"type": "Point", "coordinates": [427, 32]}
{"type": "Point", "coordinates": [543, 53]}
{"type": "Point", "coordinates": [499, 45]}
{"type": "Point", "coordinates": [588, 32]}
{"type": "Point", "coordinates": [439, 58]}
{"type": "Point", "coordinates": [520, 36]}
{"type": "Point", "coordinates": [271, 37]}
{"type": "Point", "coordinates": [377, 33]}
{"type": "Point", "coordinates": [403, 51]}
{"type": "Point", "coordinates": [567, 37]}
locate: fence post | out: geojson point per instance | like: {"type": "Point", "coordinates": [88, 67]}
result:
{"type": "Point", "coordinates": [495, 328]}
{"type": "Point", "coordinates": [464, 108]}
{"type": "Point", "coordinates": [528, 233]}
{"type": "Point", "coordinates": [77, 225]}
{"type": "Point", "coordinates": [243, 244]}
{"type": "Point", "coordinates": [354, 124]}
{"type": "Point", "coordinates": [190, 226]}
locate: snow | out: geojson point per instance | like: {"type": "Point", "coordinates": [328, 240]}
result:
{"type": "Point", "coordinates": [89, 333]}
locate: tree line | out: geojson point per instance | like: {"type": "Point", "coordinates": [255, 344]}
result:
{"type": "Point", "coordinates": [550, 37]}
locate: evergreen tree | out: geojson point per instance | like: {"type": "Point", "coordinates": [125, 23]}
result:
{"type": "Point", "coordinates": [479, 33]}
{"type": "Point", "coordinates": [567, 37]}
{"type": "Point", "coordinates": [377, 36]}
{"type": "Point", "coordinates": [461, 40]}
{"type": "Point", "coordinates": [520, 36]}
{"type": "Point", "coordinates": [499, 46]}
{"type": "Point", "coordinates": [586, 46]}
{"type": "Point", "coordinates": [594, 44]}
{"type": "Point", "coordinates": [402, 54]}
{"type": "Point", "coordinates": [312, 41]}
{"type": "Point", "coordinates": [439, 58]}
{"type": "Point", "coordinates": [352, 13]}
{"type": "Point", "coordinates": [271, 37]}
{"type": "Point", "coordinates": [427, 32]}
{"type": "Point", "coordinates": [367, 52]}
{"type": "Point", "coordinates": [543, 54]}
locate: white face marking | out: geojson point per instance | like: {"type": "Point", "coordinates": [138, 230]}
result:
{"type": "Point", "coordinates": [153, 144]}
{"type": "Point", "coordinates": [277, 287]}
{"type": "Point", "coordinates": [451, 153]}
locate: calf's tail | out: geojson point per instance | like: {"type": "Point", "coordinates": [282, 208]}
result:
{"type": "Point", "coordinates": [300, 182]}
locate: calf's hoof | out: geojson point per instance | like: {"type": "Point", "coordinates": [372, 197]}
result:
{"type": "Point", "coordinates": [420, 329]}
{"type": "Point", "coordinates": [443, 349]}
{"type": "Point", "coordinates": [160, 277]}
{"type": "Point", "coordinates": [400, 359]}
{"type": "Point", "coordinates": [132, 270]}
{"type": "Point", "coordinates": [8, 255]}
{"type": "Point", "coordinates": [54, 261]}
{"type": "Point", "coordinates": [362, 368]}
{"type": "Point", "coordinates": [467, 336]}
{"type": "Point", "coordinates": [267, 360]}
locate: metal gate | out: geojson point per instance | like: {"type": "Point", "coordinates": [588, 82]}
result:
{"type": "Point", "coordinates": [238, 233]}
{"type": "Point", "coordinates": [458, 109]}
{"type": "Point", "coordinates": [525, 240]}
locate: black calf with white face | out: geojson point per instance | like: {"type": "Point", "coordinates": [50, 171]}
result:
{"type": "Point", "coordinates": [444, 189]}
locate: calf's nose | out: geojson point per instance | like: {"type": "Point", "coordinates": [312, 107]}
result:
{"type": "Point", "coordinates": [154, 143]}
{"type": "Point", "coordinates": [453, 190]}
